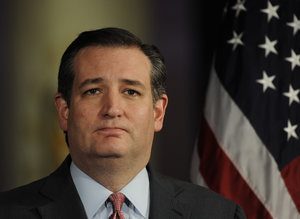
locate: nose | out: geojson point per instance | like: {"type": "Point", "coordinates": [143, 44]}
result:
{"type": "Point", "coordinates": [111, 105]}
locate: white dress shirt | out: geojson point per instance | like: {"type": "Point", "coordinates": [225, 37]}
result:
{"type": "Point", "coordinates": [94, 196]}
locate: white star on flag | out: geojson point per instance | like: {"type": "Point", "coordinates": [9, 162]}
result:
{"type": "Point", "coordinates": [294, 59]}
{"type": "Point", "coordinates": [236, 40]}
{"type": "Point", "coordinates": [269, 46]}
{"type": "Point", "coordinates": [295, 24]}
{"type": "Point", "coordinates": [292, 95]}
{"type": "Point", "coordinates": [267, 81]}
{"type": "Point", "coordinates": [291, 130]}
{"type": "Point", "coordinates": [239, 6]}
{"type": "Point", "coordinates": [271, 11]}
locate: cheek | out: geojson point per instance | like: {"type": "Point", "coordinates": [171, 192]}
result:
{"type": "Point", "coordinates": [144, 117]}
{"type": "Point", "coordinates": [81, 118]}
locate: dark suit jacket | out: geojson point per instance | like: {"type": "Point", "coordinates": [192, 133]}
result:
{"type": "Point", "coordinates": [56, 197]}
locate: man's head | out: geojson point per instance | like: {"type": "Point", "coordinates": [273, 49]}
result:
{"type": "Point", "coordinates": [111, 99]}
{"type": "Point", "coordinates": [111, 37]}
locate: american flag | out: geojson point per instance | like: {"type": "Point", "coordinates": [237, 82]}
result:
{"type": "Point", "coordinates": [249, 146]}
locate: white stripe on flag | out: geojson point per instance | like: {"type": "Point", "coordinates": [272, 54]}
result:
{"type": "Point", "coordinates": [241, 144]}
{"type": "Point", "coordinates": [196, 176]}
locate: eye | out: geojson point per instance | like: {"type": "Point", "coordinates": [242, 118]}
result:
{"type": "Point", "coordinates": [92, 91]}
{"type": "Point", "coordinates": [131, 92]}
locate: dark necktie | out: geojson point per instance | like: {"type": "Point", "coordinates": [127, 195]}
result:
{"type": "Point", "coordinates": [117, 200]}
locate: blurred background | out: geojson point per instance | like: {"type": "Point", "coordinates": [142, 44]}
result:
{"type": "Point", "coordinates": [34, 34]}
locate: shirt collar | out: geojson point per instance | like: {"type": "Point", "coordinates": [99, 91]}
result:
{"type": "Point", "coordinates": [137, 192]}
{"type": "Point", "coordinates": [93, 194]}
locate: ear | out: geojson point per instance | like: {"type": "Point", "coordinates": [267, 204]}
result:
{"type": "Point", "coordinates": [62, 110]}
{"type": "Point", "coordinates": [159, 112]}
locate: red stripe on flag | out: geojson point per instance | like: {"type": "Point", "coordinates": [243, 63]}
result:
{"type": "Point", "coordinates": [221, 175]}
{"type": "Point", "coordinates": [291, 176]}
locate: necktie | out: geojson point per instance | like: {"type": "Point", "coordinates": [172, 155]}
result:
{"type": "Point", "coordinates": [117, 200]}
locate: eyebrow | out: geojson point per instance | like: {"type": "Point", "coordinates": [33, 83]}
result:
{"type": "Point", "coordinates": [100, 80]}
{"type": "Point", "coordinates": [133, 82]}
{"type": "Point", "coordinates": [90, 81]}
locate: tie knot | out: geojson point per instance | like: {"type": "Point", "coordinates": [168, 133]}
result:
{"type": "Point", "coordinates": [117, 199]}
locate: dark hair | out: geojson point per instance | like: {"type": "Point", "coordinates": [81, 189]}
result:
{"type": "Point", "coordinates": [111, 37]}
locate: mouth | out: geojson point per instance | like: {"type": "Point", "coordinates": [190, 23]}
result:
{"type": "Point", "coordinates": [111, 131]}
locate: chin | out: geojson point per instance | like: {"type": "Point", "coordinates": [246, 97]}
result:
{"type": "Point", "coordinates": [112, 151]}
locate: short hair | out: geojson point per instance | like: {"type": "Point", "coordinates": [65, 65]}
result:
{"type": "Point", "coordinates": [111, 37]}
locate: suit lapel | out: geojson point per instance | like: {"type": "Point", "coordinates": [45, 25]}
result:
{"type": "Point", "coordinates": [60, 189]}
{"type": "Point", "coordinates": [65, 201]}
{"type": "Point", "coordinates": [164, 203]}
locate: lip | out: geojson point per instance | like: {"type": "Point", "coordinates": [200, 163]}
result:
{"type": "Point", "coordinates": [111, 131]}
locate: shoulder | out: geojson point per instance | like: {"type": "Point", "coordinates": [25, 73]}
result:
{"type": "Point", "coordinates": [42, 189]}
{"type": "Point", "coordinates": [21, 202]}
{"type": "Point", "coordinates": [189, 191]}
{"type": "Point", "coordinates": [23, 195]}
{"type": "Point", "coordinates": [25, 201]}
{"type": "Point", "coordinates": [200, 200]}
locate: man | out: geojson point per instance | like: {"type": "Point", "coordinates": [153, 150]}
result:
{"type": "Point", "coordinates": [111, 99]}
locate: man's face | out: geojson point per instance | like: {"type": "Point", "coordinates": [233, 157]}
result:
{"type": "Point", "coordinates": [111, 113]}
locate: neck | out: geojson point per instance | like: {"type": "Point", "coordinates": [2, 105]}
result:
{"type": "Point", "coordinates": [111, 173]}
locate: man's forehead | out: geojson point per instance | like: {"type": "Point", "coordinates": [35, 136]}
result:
{"type": "Point", "coordinates": [108, 48]}
{"type": "Point", "coordinates": [122, 63]}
